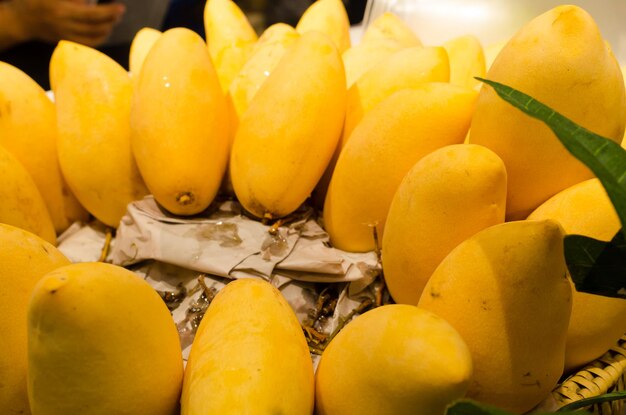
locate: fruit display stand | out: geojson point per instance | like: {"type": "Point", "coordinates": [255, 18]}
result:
{"type": "Point", "coordinates": [189, 211]}
{"type": "Point", "coordinates": [353, 294]}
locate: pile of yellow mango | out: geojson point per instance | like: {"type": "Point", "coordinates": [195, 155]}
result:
{"type": "Point", "coordinates": [397, 145]}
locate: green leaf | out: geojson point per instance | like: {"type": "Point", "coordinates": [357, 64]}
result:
{"type": "Point", "coordinates": [608, 397]}
{"type": "Point", "coordinates": [605, 158]}
{"type": "Point", "coordinates": [597, 267]}
{"type": "Point", "coordinates": [469, 407]}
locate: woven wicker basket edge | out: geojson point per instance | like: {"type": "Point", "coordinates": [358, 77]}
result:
{"type": "Point", "coordinates": [603, 375]}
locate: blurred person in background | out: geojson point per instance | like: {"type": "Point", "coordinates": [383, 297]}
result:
{"type": "Point", "coordinates": [30, 29]}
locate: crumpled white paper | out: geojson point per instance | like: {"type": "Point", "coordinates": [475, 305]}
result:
{"type": "Point", "coordinates": [187, 256]}
{"type": "Point", "coordinates": [226, 243]}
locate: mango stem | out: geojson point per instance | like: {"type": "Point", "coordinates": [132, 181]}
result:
{"type": "Point", "coordinates": [107, 245]}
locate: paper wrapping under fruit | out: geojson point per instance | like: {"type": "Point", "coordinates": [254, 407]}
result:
{"type": "Point", "coordinates": [227, 243]}
{"type": "Point", "coordinates": [184, 258]}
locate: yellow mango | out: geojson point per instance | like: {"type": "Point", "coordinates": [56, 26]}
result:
{"type": "Point", "coordinates": [360, 58]}
{"type": "Point", "coordinates": [406, 68]}
{"type": "Point", "coordinates": [74, 211]}
{"type": "Point", "coordinates": [93, 96]}
{"type": "Point", "coordinates": [239, 360]}
{"type": "Point", "coordinates": [101, 341]}
{"type": "Point", "coordinates": [266, 54]}
{"type": "Point", "coordinates": [505, 291]}
{"type": "Point", "coordinates": [467, 60]}
{"type": "Point", "coordinates": [179, 123]}
{"type": "Point", "coordinates": [391, 138]}
{"type": "Point", "coordinates": [597, 322]}
{"type": "Point", "coordinates": [390, 26]}
{"type": "Point", "coordinates": [560, 59]}
{"type": "Point", "coordinates": [492, 51]}
{"type": "Point", "coordinates": [288, 134]}
{"type": "Point", "coordinates": [623, 68]}
{"type": "Point", "coordinates": [24, 259]}
{"type": "Point", "coordinates": [29, 131]}
{"type": "Point", "coordinates": [329, 17]}
{"type": "Point", "coordinates": [229, 37]}
{"type": "Point", "coordinates": [449, 195]}
{"type": "Point", "coordinates": [22, 205]}
{"type": "Point", "coordinates": [140, 46]}
{"type": "Point", "coordinates": [395, 359]}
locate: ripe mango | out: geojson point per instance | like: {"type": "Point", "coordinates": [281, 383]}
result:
{"type": "Point", "coordinates": [506, 292]}
{"type": "Point", "coordinates": [406, 68]}
{"type": "Point", "coordinates": [29, 131]}
{"type": "Point", "coordinates": [22, 205]}
{"type": "Point", "coordinates": [229, 37]}
{"type": "Point", "coordinates": [597, 322]}
{"type": "Point", "coordinates": [288, 134]}
{"type": "Point", "coordinates": [362, 57]}
{"type": "Point", "coordinates": [492, 51]}
{"type": "Point", "coordinates": [178, 122]}
{"type": "Point", "coordinates": [101, 341]}
{"type": "Point", "coordinates": [375, 70]}
{"type": "Point", "coordinates": [92, 94]}
{"type": "Point", "coordinates": [266, 54]}
{"type": "Point", "coordinates": [448, 196]}
{"type": "Point", "coordinates": [623, 68]}
{"type": "Point", "coordinates": [467, 60]}
{"type": "Point", "coordinates": [140, 46]}
{"type": "Point", "coordinates": [24, 259]}
{"type": "Point", "coordinates": [249, 356]}
{"type": "Point", "coordinates": [328, 17]}
{"type": "Point", "coordinates": [390, 26]}
{"type": "Point", "coordinates": [395, 359]}
{"type": "Point", "coordinates": [560, 59]}
{"type": "Point", "coordinates": [391, 138]}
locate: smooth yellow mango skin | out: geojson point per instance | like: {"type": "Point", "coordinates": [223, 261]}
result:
{"type": "Point", "coordinates": [395, 359]}
{"type": "Point", "coordinates": [358, 60]}
{"type": "Point", "coordinates": [93, 94]}
{"type": "Point", "coordinates": [29, 131]}
{"type": "Point", "coordinates": [406, 68]}
{"type": "Point", "coordinates": [390, 26]}
{"type": "Point", "coordinates": [179, 123]}
{"type": "Point", "coordinates": [328, 17]}
{"type": "Point", "coordinates": [239, 360]}
{"type": "Point", "coordinates": [22, 205]}
{"type": "Point", "coordinates": [230, 38]}
{"type": "Point", "coordinates": [492, 51]}
{"type": "Point", "coordinates": [288, 134]}
{"type": "Point", "coordinates": [467, 60]}
{"type": "Point", "coordinates": [143, 41]}
{"type": "Point", "coordinates": [448, 196]}
{"type": "Point", "coordinates": [362, 57]}
{"type": "Point", "coordinates": [101, 341]}
{"type": "Point", "coordinates": [74, 211]}
{"type": "Point", "coordinates": [560, 59]}
{"type": "Point", "coordinates": [597, 322]}
{"type": "Point", "coordinates": [623, 68]}
{"type": "Point", "coordinates": [24, 259]}
{"type": "Point", "coordinates": [387, 143]}
{"type": "Point", "coordinates": [506, 292]}
{"type": "Point", "coordinates": [266, 54]}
